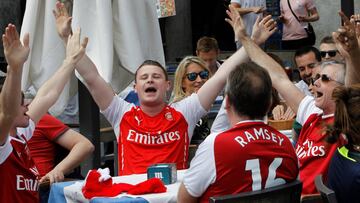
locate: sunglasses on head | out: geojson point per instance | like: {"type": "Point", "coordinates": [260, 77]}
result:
{"type": "Point", "coordinates": [192, 75]}
{"type": "Point", "coordinates": [323, 77]}
{"type": "Point", "coordinates": [331, 53]}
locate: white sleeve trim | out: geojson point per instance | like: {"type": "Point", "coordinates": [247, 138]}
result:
{"type": "Point", "coordinates": [221, 122]}
{"type": "Point", "coordinates": [202, 171]}
{"type": "Point", "coordinates": [28, 131]}
{"type": "Point", "coordinates": [192, 110]}
{"type": "Point", "coordinates": [306, 108]}
{"type": "Point", "coordinates": [115, 111]}
{"type": "Point", "coordinates": [5, 150]}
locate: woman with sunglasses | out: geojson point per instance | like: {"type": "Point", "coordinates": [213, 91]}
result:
{"type": "Point", "coordinates": [190, 75]}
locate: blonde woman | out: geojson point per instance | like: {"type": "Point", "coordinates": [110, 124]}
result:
{"type": "Point", "coordinates": [190, 75]}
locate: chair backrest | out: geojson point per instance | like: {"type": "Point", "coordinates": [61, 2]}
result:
{"type": "Point", "coordinates": [311, 198]}
{"type": "Point", "coordinates": [327, 195]}
{"type": "Point", "coordinates": [289, 192]}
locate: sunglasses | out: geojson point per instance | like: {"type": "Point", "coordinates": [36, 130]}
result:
{"type": "Point", "coordinates": [324, 78]}
{"type": "Point", "coordinates": [192, 75]}
{"type": "Point", "coordinates": [331, 53]}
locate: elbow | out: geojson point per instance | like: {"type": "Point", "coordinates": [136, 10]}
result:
{"type": "Point", "coordinates": [315, 17]}
{"type": "Point", "coordinates": [89, 147]}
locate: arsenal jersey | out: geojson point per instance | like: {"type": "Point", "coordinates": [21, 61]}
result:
{"type": "Point", "coordinates": [144, 140]}
{"type": "Point", "coordinates": [248, 157]}
{"type": "Point", "coordinates": [313, 152]}
{"type": "Point", "coordinates": [18, 173]}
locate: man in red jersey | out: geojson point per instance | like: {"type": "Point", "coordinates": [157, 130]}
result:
{"type": "Point", "coordinates": [313, 113]}
{"type": "Point", "coordinates": [248, 157]}
{"type": "Point", "coordinates": [50, 134]}
{"type": "Point", "coordinates": [155, 131]}
{"type": "Point", "coordinates": [18, 173]}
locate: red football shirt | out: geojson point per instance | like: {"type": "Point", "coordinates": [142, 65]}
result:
{"type": "Point", "coordinates": [18, 173]}
{"type": "Point", "coordinates": [248, 157]}
{"type": "Point", "coordinates": [42, 146]}
{"type": "Point", "coordinates": [144, 140]}
{"type": "Point", "coordinates": [313, 152]}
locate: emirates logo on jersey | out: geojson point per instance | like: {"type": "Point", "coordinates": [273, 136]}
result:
{"type": "Point", "coordinates": [169, 116]}
{"type": "Point", "coordinates": [161, 138]}
{"type": "Point", "coordinates": [309, 149]}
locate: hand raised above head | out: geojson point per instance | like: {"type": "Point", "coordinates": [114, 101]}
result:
{"type": "Point", "coordinates": [236, 22]}
{"type": "Point", "coordinates": [74, 50]}
{"type": "Point", "coordinates": [15, 52]}
{"type": "Point", "coordinates": [345, 37]}
{"type": "Point", "coordinates": [263, 29]}
{"type": "Point", "coordinates": [355, 19]}
{"type": "Point", "coordinates": [63, 20]}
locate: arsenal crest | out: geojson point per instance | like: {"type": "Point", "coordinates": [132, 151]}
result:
{"type": "Point", "coordinates": [169, 116]}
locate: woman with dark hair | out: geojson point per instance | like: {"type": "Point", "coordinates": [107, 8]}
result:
{"type": "Point", "coordinates": [344, 170]}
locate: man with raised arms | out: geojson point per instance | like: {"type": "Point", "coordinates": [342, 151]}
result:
{"type": "Point", "coordinates": [154, 118]}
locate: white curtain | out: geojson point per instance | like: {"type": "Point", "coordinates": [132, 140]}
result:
{"type": "Point", "coordinates": [122, 34]}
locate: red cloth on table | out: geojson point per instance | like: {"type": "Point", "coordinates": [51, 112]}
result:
{"type": "Point", "coordinates": [94, 188]}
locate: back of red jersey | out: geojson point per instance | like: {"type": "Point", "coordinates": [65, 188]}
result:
{"type": "Point", "coordinates": [147, 140]}
{"type": "Point", "coordinates": [251, 156]}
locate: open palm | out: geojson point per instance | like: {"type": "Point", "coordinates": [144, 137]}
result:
{"type": "Point", "coordinates": [15, 52]}
{"type": "Point", "coordinates": [63, 20]}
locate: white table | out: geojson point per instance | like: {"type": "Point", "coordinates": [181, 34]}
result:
{"type": "Point", "coordinates": [71, 191]}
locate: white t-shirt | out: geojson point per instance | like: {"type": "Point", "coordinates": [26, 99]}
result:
{"type": "Point", "coordinates": [221, 122]}
{"type": "Point", "coordinates": [306, 108]}
{"type": "Point", "coordinates": [303, 87]}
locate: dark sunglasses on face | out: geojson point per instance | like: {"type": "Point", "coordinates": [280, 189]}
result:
{"type": "Point", "coordinates": [324, 78]}
{"type": "Point", "coordinates": [192, 75]}
{"type": "Point", "coordinates": [331, 53]}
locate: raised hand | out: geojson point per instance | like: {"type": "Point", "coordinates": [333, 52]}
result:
{"type": "Point", "coordinates": [63, 20]}
{"type": "Point", "coordinates": [74, 50]}
{"type": "Point", "coordinates": [263, 29]}
{"type": "Point", "coordinates": [355, 19]}
{"type": "Point", "coordinates": [15, 52]}
{"type": "Point", "coordinates": [236, 22]}
{"type": "Point", "coordinates": [345, 37]}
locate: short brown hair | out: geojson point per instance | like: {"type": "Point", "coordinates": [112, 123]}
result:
{"type": "Point", "coordinates": [327, 40]}
{"type": "Point", "coordinates": [249, 91]}
{"type": "Point", "coordinates": [206, 44]}
{"type": "Point", "coordinates": [154, 63]}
